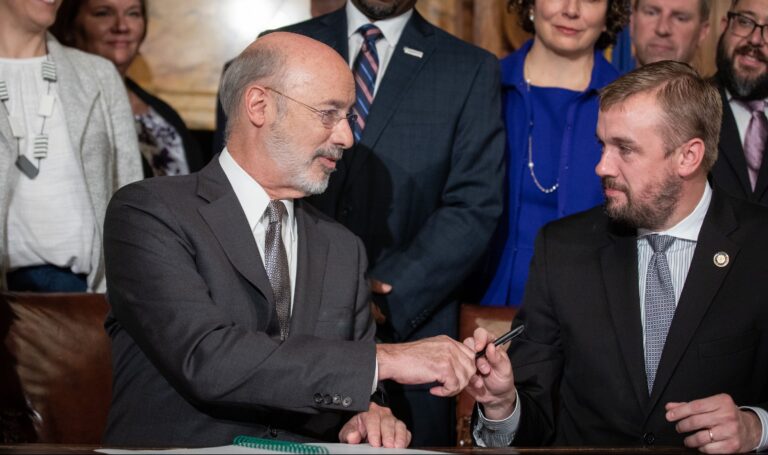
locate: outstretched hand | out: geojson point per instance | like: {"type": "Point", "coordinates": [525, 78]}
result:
{"type": "Point", "coordinates": [437, 359]}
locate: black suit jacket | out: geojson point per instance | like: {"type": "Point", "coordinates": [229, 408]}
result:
{"type": "Point", "coordinates": [730, 169]}
{"type": "Point", "coordinates": [191, 309]}
{"type": "Point", "coordinates": [423, 187]}
{"type": "Point", "coordinates": [579, 366]}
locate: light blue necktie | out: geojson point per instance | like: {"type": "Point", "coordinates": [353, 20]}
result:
{"type": "Point", "coordinates": [365, 69]}
{"type": "Point", "coordinates": [659, 304]}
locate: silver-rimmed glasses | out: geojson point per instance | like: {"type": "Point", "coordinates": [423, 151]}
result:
{"type": "Point", "coordinates": [329, 118]}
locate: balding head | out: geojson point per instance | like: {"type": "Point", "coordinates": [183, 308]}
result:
{"type": "Point", "coordinates": [280, 60]}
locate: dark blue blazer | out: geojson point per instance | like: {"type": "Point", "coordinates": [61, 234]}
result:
{"type": "Point", "coordinates": [423, 188]}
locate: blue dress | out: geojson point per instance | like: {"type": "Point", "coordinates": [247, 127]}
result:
{"type": "Point", "coordinates": [561, 124]}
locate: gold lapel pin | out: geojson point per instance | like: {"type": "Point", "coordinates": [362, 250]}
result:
{"type": "Point", "coordinates": [721, 259]}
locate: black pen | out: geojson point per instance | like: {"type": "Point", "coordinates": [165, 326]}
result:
{"type": "Point", "coordinates": [504, 338]}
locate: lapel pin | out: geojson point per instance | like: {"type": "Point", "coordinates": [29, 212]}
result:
{"type": "Point", "coordinates": [414, 52]}
{"type": "Point", "coordinates": [721, 259]}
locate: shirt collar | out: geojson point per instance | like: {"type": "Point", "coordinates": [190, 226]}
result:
{"type": "Point", "coordinates": [250, 194]}
{"type": "Point", "coordinates": [688, 228]}
{"type": "Point", "coordinates": [391, 28]}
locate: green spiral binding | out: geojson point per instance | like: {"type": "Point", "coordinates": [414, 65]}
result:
{"type": "Point", "coordinates": [278, 446]}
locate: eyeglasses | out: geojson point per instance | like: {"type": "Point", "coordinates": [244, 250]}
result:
{"type": "Point", "coordinates": [743, 26]}
{"type": "Point", "coordinates": [329, 118]}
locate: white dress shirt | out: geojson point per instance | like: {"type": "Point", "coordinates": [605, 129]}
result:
{"type": "Point", "coordinates": [391, 29]}
{"type": "Point", "coordinates": [501, 433]}
{"type": "Point", "coordinates": [254, 201]}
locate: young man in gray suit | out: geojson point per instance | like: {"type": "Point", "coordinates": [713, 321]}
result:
{"type": "Point", "coordinates": [646, 319]}
{"type": "Point", "coordinates": [211, 341]}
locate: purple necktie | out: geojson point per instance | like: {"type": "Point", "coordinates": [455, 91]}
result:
{"type": "Point", "coordinates": [754, 141]}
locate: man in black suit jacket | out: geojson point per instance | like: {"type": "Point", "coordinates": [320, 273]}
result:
{"type": "Point", "coordinates": [742, 76]}
{"type": "Point", "coordinates": [423, 186]}
{"type": "Point", "coordinates": [200, 351]}
{"type": "Point", "coordinates": [584, 373]}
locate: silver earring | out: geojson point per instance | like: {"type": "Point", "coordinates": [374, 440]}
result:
{"type": "Point", "coordinates": [530, 16]}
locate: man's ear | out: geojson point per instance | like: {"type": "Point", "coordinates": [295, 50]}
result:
{"type": "Point", "coordinates": [690, 156]}
{"type": "Point", "coordinates": [255, 100]}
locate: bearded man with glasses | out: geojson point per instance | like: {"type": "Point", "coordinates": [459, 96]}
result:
{"type": "Point", "coordinates": [742, 79]}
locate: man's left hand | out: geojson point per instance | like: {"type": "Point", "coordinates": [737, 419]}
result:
{"type": "Point", "coordinates": [378, 427]}
{"type": "Point", "coordinates": [381, 288]}
{"type": "Point", "coordinates": [717, 425]}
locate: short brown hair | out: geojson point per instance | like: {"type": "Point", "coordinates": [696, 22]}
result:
{"type": "Point", "coordinates": [616, 18]}
{"type": "Point", "coordinates": [691, 107]}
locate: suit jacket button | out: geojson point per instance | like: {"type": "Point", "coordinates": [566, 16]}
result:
{"type": "Point", "coordinates": [327, 399]}
{"type": "Point", "coordinates": [318, 398]}
{"type": "Point", "coordinates": [649, 438]}
{"type": "Point", "coordinates": [346, 402]}
{"type": "Point", "coordinates": [337, 399]}
{"type": "Point", "coordinates": [273, 432]}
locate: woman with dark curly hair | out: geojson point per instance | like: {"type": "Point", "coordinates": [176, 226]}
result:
{"type": "Point", "coordinates": [550, 95]}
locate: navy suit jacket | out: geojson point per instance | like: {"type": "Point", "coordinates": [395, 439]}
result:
{"type": "Point", "coordinates": [730, 169]}
{"type": "Point", "coordinates": [423, 187]}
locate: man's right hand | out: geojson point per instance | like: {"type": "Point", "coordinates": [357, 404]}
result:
{"type": "Point", "coordinates": [494, 384]}
{"type": "Point", "coordinates": [438, 359]}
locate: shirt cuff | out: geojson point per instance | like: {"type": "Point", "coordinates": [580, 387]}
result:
{"type": "Point", "coordinates": [496, 433]}
{"type": "Point", "coordinates": [762, 414]}
{"type": "Point", "coordinates": [375, 376]}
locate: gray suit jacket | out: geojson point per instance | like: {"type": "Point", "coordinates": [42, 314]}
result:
{"type": "Point", "coordinates": [101, 131]}
{"type": "Point", "coordinates": [191, 309]}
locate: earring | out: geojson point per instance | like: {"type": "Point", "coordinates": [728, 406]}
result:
{"type": "Point", "coordinates": [530, 16]}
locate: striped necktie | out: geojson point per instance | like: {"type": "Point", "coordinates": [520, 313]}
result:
{"type": "Point", "coordinates": [365, 69]}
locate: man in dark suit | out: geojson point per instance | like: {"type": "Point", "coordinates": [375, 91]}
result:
{"type": "Point", "coordinates": [209, 340]}
{"type": "Point", "coordinates": [742, 78]}
{"type": "Point", "coordinates": [645, 319]}
{"type": "Point", "coordinates": [422, 186]}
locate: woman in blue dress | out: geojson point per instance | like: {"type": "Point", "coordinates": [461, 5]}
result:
{"type": "Point", "coordinates": [550, 95]}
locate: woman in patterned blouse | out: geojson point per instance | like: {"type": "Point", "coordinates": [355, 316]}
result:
{"type": "Point", "coordinates": [115, 29]}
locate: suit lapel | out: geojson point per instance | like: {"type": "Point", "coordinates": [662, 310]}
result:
{"type": "Point", "coordinates": [730, 146]}
{"type": "Point", "coordinates": [400, 73]}
{"type": "Point", "coordinates": [227, 221]}
{"type": "Point", "coordinates": [619, 264]}
{"type": "Point", "coordinates": [312, 262]}
{"type": "Point", "coordinates": [703, 281]}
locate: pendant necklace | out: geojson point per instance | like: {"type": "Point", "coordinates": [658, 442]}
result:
{"type": "Point", "coordinates": [538, 184]}
{"type": "Point", "coordinates": [44, 110]}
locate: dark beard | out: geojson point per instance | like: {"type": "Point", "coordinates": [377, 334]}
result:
{"type": "Point", "coordinates": [741, 88]}
{"type": "Point", "coordinates": [376, 13]}
{"type": "Point", "coordinates": [648, 215]}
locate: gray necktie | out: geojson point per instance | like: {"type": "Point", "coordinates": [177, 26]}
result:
{"type": "Point", "coordinates": [659, 304]}
{"type": "Point", "coordinates": [754, 140]}
{"type": "Point", "coordinates": [276, 263]}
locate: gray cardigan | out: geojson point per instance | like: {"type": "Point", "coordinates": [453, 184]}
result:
{"type": "Point", "coordinates": [101, 128]}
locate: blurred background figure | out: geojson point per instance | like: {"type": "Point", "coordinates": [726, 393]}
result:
{"type": "Point", "coordinates": [550, 88]}
{"type": "Point", "coordinates": [115, 29]}
{"type": "Point", "coordinates": [66, 144]}
{"type": "Point", "coordinates": [668, 29]}
{"type": "Point", "coordinates": [742, 79]}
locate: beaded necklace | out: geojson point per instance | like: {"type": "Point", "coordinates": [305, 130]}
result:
{"type": "Point", "coordinates": [44, 110]}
